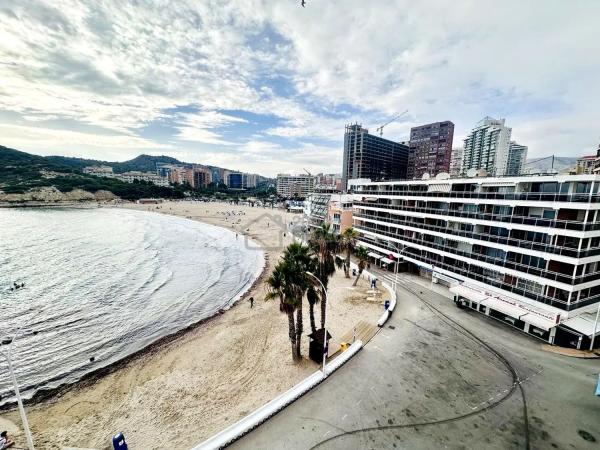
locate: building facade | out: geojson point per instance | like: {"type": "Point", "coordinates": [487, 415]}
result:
{"type": "Point", "coordinates": [487, 147]}
{"type": "Point", "coordinates": [290, 186]}
{"type": "Point", "coordinates": [585, 165]}
{"type": "Point", "coordinates": [370, 156]}
{"type": "Point", "coordinates": [151, 177]}
{"type": "Point", "coordinates": [524, 250]}
{"type": "Point", "coordinates": [517, 155]}
{"type": "Point", "coordinates": [236, 180]}
{"type": "Point", "coordinates": [456, 159]}
{"type": "Point", "coordinates": [430, 149]}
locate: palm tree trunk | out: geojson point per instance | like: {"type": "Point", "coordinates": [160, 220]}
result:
{"type": "Point", "coordinates": [323, 308]}
{"type": "Point", "coordinates": [347, 264]}
{"type": "Point", "coordinates": [299, 330]}
{"type": "Point", "coordinates": [292, 334]}
{"type": "Point", "coordinates": [311, 312]}
{"type": "Point", "coordinates": [357, 277]}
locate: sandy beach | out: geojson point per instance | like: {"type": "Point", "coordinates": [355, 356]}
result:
{"type": "Point", "coordinates": [184, 389]}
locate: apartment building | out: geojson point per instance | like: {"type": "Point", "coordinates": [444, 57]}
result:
{"type": "Point", "coordinates": [517, 155]}
{"type": "Point", "coordinates": [524, 250]}
{"type": "Point", "coordinates": [334, 208]}
{"type": "Point", "coordinates": [373, 157]}
{"type": "Point", "coordinates": [487, 147]}
{"type": "Point", "coordinates": [456, 159]}
{"type": "Point", "coordinates": [99, 171]}
{"type": "Point", "coordinates": [130, 177]}
{"type": "Point", "coordinates": [430, 148]}
{"type": "Point", "coordinates": [290, 186]}
{"type": "Point", "coordinates": [585, 164]}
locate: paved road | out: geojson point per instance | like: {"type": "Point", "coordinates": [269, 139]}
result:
{"type": "Point", "coordinates": [422, 382]}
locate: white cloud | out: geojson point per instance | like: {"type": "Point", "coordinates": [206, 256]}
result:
{"type": "Point", "coordinates": [118, 67]}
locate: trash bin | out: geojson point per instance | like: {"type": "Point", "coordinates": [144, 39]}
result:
{"type": "Point", "coordinates": [386, 304]}
{"type": "Point", "coordinates": [118, 441]}
{"type": "Point", "coordinates": [344, 346]}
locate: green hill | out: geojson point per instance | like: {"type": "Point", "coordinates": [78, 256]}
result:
{"type": "Point", "coordinates": [21, 172]}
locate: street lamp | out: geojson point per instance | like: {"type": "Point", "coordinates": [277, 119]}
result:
{"type": "Point", "coordinates": [8, 357]}
{"type": "Point", "coordinates": [324, 322]}
{"type": "Point", "coordinates": [400, 250]}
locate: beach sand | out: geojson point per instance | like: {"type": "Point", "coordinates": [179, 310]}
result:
{"type": "Point", "coordinates": [185, 389]}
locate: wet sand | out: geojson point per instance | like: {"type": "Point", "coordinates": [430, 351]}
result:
{"type": "Point", "coordinates": [186, 388]}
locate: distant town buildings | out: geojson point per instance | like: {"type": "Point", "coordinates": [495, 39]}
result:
{"type": "Point", "coordinates": [487, 147]}
{"type": "Point", "coordinates": [291, 186]}
{"type": "Point", "coordinates": [99, 171]}
{"type": "Point", "coordinates": [430, 148]}
{"type": "Point", "coordinates": [517, 155]}
{"type": "Point", "coordinates": [456, 159]}
{"type": "Point", "coordinates": [127, 177]}
{"type": "Point", "coordinates": [372, 157]}
{"type": "Point", "coordinates": [328, 181]}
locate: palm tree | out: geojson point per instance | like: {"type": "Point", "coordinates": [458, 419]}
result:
{"type": "Point", "coordinates": [288, 283]}
{"type": "Point", "coordinates": [362, 254]}
{"type": "Point", "coordinates": [325, 244]}
{"type": "Point", "coordinates": [348, 243]}
{"type": "Point", "coordinates": [278, 289]}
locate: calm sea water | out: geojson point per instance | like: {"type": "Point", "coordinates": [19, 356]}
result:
{"type": "Point", "coordinates": [104, 283]}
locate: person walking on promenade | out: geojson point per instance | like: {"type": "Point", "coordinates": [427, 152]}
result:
{"type": "Point", "coordinates": [251, 302]}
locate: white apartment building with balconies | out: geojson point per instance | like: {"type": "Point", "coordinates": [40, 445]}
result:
{"type": "Point", "coordinates": [524, 250]}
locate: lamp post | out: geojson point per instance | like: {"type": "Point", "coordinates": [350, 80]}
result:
{"type": "Point", "coordinates": [8, 357]}
{"type": "Point", "coordinates": [324, 322]}
{"type": "Point", "coordinates": [595, 328]}
{"type": "Point", "coordinates": [400, 250]}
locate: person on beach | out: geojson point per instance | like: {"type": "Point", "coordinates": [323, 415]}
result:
{"type": "Point", "coordinates": [5, 442]}
{"type": "Point", "coordinates": [251, 302]}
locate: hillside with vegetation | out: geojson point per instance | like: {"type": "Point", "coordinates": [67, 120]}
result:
{"type": "Point", "coordinates": [22, 172]}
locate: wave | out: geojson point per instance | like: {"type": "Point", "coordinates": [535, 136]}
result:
{"type": "Point", "coordinates": [105, 283]}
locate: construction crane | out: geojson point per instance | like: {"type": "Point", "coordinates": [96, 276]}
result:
{"type": "Point", "coordinates": [380, 129]}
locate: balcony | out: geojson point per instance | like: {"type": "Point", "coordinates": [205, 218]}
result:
{"type": "Point", "coordinates": [513, 196]}
{"type": "Point", "coordinates": [574, 225]}
{"type": "Point", "coordinates": [571, 252]}
{"type": "Point", "coordinates": [477, 273]}
{"type": "Point", "coordinates": [499, 262]}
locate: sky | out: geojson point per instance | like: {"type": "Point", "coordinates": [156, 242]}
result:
{"type": "Point", "coordinates": [267, 86]}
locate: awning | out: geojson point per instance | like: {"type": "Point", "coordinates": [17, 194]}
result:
{"type": "Point", "coordinates": [375, 255]}
{"type": "Point", "coordinates": [503, 307]}
{"type": "Point", "coordinates": [499, 183]}
{"type": "Point", "coordinates": [538, 321]}
{"type": "Point", "coordinates": [468, 293]}
{"type": "Point", "coordinates": [584, 323]}
{"type": "Point", "coordinates": [445, 187]}
{"type": "Point", "coordinates": [386, 260]}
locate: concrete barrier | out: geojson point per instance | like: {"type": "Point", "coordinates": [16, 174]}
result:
{"type": "Point", "coordinates": [392, 297]}
{"type": "Point", "coordinates": [383, 319]}
{"type": "Point", "coordinates": [255, 418]}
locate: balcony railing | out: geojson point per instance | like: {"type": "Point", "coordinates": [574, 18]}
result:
{"type": "Point", "coordinates": [574, 225]}
{"type": "Point", "coordinates": [476, 273]}
{"type": "Point", "coordinates": [499, 262]}
{"type": "Point", "coordinates": [503, 240]}
{"type": "Point", "coordinates": [514, 196]}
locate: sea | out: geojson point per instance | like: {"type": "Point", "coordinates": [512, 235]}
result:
{"type": "Point", "coordinates": [103, 283]}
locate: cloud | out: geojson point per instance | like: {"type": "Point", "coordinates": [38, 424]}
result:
{"type": "Point", "coordinates": [293, 76]}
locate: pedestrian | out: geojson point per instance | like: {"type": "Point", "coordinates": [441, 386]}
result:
{"type": "Point", "coordinates": [251, 302]}
{"type": "Point", "coordinates": [5, 441]}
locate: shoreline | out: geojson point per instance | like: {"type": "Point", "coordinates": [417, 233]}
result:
{"type": "Point", "coordinates": [89, 378]}
{"type": "Point", "coordinates": [189, 385]}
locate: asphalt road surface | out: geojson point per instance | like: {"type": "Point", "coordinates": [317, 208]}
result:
{"type": "Point", "coordinates": [440, 377]}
